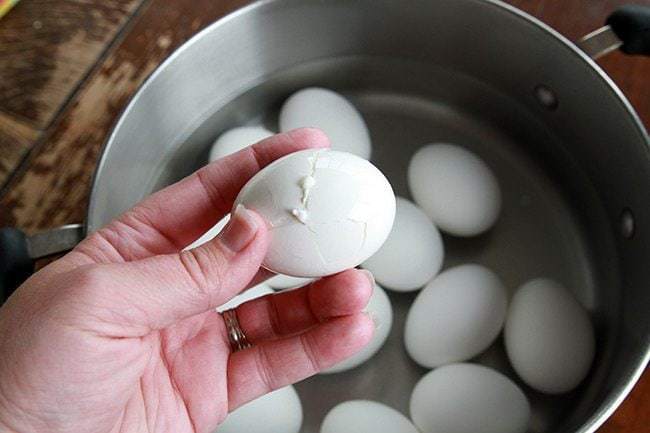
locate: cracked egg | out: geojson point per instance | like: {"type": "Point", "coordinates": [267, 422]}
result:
{"type": "Point", "coordinates": [327, 211]}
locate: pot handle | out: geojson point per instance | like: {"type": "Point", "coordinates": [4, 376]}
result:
{"type": "Point", "coordinates": [19, 251]}
{"type": "Point", "coordinates": [627, 28]}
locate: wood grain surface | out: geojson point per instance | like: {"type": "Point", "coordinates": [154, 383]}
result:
{"type": "Point", "coordinates": [51, 188]}
{"type": "Point", "coordinates": [46, 48]}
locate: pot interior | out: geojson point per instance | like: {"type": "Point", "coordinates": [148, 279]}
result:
{"type": "Point", "coordinates": [567, 170]}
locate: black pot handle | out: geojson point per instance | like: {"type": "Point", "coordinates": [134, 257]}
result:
{"type": "Point", "coordinates": [16, 265]}
{"type": "Point", "coordinates": [627, 28]}
{"type": "Point", "coordinates": [631, 23]}
{"type": "Point", "coordinates": [18, 252]}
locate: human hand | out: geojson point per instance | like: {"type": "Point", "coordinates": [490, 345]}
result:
{"type": "Point", "coordinates": [120, 335]}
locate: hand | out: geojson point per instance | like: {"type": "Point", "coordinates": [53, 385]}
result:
{"type": "Point", "coordinates": [120, 335]}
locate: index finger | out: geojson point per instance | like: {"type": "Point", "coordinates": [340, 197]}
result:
{"type": "Point", "coordinates": [172, 218]}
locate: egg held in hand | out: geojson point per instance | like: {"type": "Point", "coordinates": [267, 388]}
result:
{"type": "Point", "coordinates": [327, 211]}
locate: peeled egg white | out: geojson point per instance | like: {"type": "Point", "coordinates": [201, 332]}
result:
{"type": "Point", "coordinates": [412, 255]}
{"type": "Point", "coordinates": [456, 317]}
{"type": "Point", "coordinates": [327, 211]}
{"type": "Point", "coordinates": [381, 311]}
{"type": "Point", "coordinates": [280, 282]}
{"type": "Point", "coordinates": [468, 398]}
{"type": "Point", "coordinates": [548, 336]}
{"type": "Point", "coordinates": [236, 139]}
{"type": "Point", "coordinates": [455, 188]}
{"type": "Point", "coordinates": [365, 416]}
{"type": "Point", "coordinates": [248, 295]}
{"type": "Point", "coordinates": [330, 112]}
{"type": "Point", "coordinates": [278, 411]}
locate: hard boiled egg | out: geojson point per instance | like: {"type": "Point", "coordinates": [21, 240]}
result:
{"type": "Point", "coordinates": [278, 411]}
{"type": "Point", "coordinates": [236, 139]}
{"type": "Point", "coordinates": [468, 398]}
{"type": "Point", "coordinates": [456, 317]}
{"type": "Point", "coordinates": [327, 211]}
{"type": "Point", "coordinates": [455, 188]}
{"type": "Point", "coordinates": [330, 112]}
{"type": "Point", "coordinates": [381, 311]}
{"type": "Point", "coordinates": [280, 282]}
{"type": "Point", "coordinates": [365, 416]}
{"type": "Point", "coordinates": [549, 337]}
{"type": "Point", "coordinates": [413, 253]}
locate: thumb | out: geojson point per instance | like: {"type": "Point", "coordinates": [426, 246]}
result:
{"type": "Point", "coordinates": [160, 290]}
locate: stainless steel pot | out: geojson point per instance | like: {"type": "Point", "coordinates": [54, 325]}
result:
{"type": "Point", "coordinates": [571, 155]}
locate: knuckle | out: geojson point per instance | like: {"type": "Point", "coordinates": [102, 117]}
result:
{"type": "Point", "coordinates": [205, 268]}
{"type": "Point", "coordinates": [309, 347]}
{"type": "Point", "coordinates": [266, 371]}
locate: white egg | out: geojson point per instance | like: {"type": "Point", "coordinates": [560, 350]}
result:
{"type": "Point", "coordinates": [280, 282]}
{"type": "Point", "coordinates": [327, 211]}
{"type": "Point", "coordinates": [468, 398]}
{"type": "Point", "coordinates": [456, 317]}
{"type": "Point", "coordinates": [365, 416]}
{"type": "Point", "coordinates": [248, 295]}
{"type": "Point", "coordinates": [381, 311]}
{"type": "Point", "coordinates": [455, 188]}
{"type": "Point", "coordinates": [330, 112]}
{"type": "Point", "coordinates": [549, 337]}
{"type": "Point", "coordinates": [236, 139]}
{"type": "Point", "coordinates": [277, 412]}
{"type": "Point", "coordinates": [412, 255]}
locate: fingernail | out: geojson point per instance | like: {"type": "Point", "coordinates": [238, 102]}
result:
{"type": "Point", "coordinates": [369, 276]}
{"type": "Point", "coordinates": [240, 231]}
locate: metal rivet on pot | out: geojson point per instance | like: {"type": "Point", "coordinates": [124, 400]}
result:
{"type": "Point", "coordinates": [627, 224]}
{"type": "Point", "coordinates": [546, 97]}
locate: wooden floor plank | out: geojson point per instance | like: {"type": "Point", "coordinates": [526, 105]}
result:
{"type": "Point", "coordinates": [46, 47]}
{"type": "Point", "coordinates": [16, 138]}
{"type": "Point", "coordinates": [54, 188]}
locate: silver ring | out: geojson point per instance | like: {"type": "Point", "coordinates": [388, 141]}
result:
{"type": "Point", "coordinates": [236, 336]}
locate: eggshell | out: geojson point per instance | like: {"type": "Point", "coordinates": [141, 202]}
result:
{"type": "Point", "coordinates": [381, 311]}
{"type": "Point", "coordinates": [549, 337]}
{"type": "Point", "coordinates": [236, 139]}
{"type": "Point", "coordinates": [468, 398]}
{"type": "Point", "coordinates": [280, 282]}
{"type": "Point", "coordinates": [330, 112]}
{"type": "Point", "coordinates": [327, 211]}
{"type": "Point", "coordinates": [456, 317]}
{"type": "Point", "coordinates": [455, 188]}
{"type": "Point", "coordinates": [248, 295]}
{"type": "Point", "coordinates": [277, 412]}
{"type": "Point", "coordinates": [365, 416]}
{"type": "Point", "coordinates": [413, 253]}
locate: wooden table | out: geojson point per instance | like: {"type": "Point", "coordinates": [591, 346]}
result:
{"type": "Point", "coordinates": [68, 67]}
